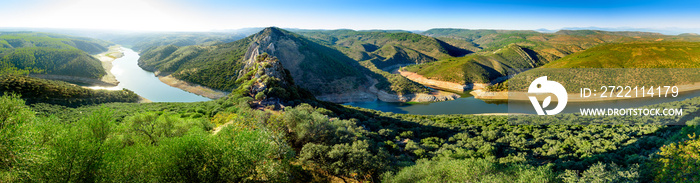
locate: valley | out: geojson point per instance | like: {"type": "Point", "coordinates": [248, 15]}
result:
{"type": "Point", "coordinates": [300, 105]}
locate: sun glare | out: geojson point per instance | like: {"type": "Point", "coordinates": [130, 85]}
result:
{"type": "Point", "coordinates": [149, 15]}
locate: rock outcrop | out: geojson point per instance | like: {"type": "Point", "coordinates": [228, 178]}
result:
{"type": "Point", "coordinates": [317, 68]}
{"type": "Point", "coordinates": [265, 78]}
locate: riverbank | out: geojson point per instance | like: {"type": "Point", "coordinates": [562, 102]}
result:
{"type": "Point", "coordinates": [441, 84]}
{"type": "Point", "coordinates": [191, 87]}
{"type": "Point", "coordinates": [143, 100]}
{"type": "Point", "coordinates": [574, 97]}
{"type": "Point", "coordinates": [433, 96]}
{"type": "Point", "coordinates": [372, 94]}
{"type": "Point", "coordinates": [107, 58]}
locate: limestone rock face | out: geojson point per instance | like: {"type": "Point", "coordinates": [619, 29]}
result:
{"type": "Point", "coordinates": [267, 76]}
{"type": "Point", "coordinates": [314, 67]}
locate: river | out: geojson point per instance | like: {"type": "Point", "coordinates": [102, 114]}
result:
{"type": "Point", "coordinates": [467, 104]}
{"type": "Point", "coordinates": [145, 83]}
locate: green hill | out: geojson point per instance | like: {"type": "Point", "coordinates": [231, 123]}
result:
{"type": "Point", "coordinates": [496, 54]}
{"type": "Point", "coordinates": [51, 54]}
{"type": "Point", "coordinates": [9, 40]}
{"type": "Point", "coordinates": [385, 48]}
{"type": "Point", "coordinates": [215, 66]}
{"type": "Point", "coordinates": [634, 55]}
{"type": "Point", "coordinates": [479, 68]}
{"type": "Point", "coordinates": [143, 41]}
{"type": "Point", "coordinates": [313, 66]}
{"type": "Point", "coordinates": [635, 58]}
{"type": "Point", "coordinates": [35, 90]}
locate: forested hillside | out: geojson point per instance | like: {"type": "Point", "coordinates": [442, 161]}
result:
{"type": "Point", "coordinates": [385, 48]}
{"type": "Point", "coordinates": [227, 140]}
{"type": "Point", "coordinates": [318, 64]}
{"type": "Point", "coordinates": [313, 66]}
{"type": "Point", "coordinates": [500, 52]}
{"type": "Point", "coordinates": [10, 40]}
{"type": "Point", "coordinates": [662, 54]}
{"type": "Point", "coordinates": [271, 130]}
{"type": "Point", "coordinates": [480, 68]}
{"type": "Point", "coordinates": [51, 54]}
{"type": "Point", "coordinates": [141, 41]}
{"type": "Point", "coordinates": [35, 90]}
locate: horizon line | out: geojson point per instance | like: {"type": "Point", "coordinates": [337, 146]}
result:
{"type": "Point", "coordinates": [664, 31]}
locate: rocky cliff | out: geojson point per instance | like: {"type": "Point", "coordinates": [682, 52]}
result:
{"type": "Point", "coordinates": [317, 68]}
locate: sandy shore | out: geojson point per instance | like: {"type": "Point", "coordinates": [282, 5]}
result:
{"type": "Point", "coordinates": [443, 85]}
{"type": "Point", "coordinates": [107, 58]}
{"type": "Point", "coordinates": [192, 88]}
{"type": "Point", "coordinates": [143, 100]}
{"type": "Point", "coordinates": [575, 97]}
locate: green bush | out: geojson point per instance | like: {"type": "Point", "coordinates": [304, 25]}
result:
{"type": "Point", "coordinates": [600, 172]}
{"type": "Point", "coordinates": [469, 170]}
{"type": "Point", "coordinates": [679, 162]}
{"type": "Point", "coordinates": [15, 117]}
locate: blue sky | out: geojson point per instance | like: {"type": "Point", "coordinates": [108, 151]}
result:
{"type": "Point", "coordinates": [181, 15]}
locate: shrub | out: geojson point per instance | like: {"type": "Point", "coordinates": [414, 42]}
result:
{"type": "Point", "coordinates": [469, 170]}
{"type": "Point", "coordinates": [679, 162]}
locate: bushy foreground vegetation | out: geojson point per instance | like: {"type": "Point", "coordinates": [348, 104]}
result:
{"type": "Point", "coordinates": [35, 90]}
{"type": "Point", "coordinates": [227, 141]}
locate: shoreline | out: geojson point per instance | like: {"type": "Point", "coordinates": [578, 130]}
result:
{"type": "Point", "coordinates": [372, 94]}
{"type": "Point", "coordinates": [106, 58]}
{"type": "Point", "coordinates": [191, 87]}
{"type": "Point", "coordinates": [442, 85]}
{"type": "Point", "coordinates": [574, 97]}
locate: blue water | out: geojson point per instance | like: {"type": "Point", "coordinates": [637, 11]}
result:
{"type": "Point", "coordinates": [467, 104]}
{"type": "Point", "coordinates": [146, 84]}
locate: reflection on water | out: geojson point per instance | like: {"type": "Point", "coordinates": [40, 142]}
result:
{"type": "Point", "coordinates": [467, 104]}
{"type": "Point", "coordinates": [146, 84]}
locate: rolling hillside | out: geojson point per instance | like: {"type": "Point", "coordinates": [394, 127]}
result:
{"type": "Point", "coordinates": [478, 68]}
{"type": "Point", "coordinates": [385, 49]}
{"type": "Point", "coordinates": [35, 90]}
{"type": "Point", "coordinates": [51, 54]}
{"type": "Point", "coordinates": [634, 55]}
{"type": "Point", "coordinates": [499, 52]}
{"type": "Point", "coordinates": [313, 66]}
{"type": "Point", "coordinates": [142, 41]}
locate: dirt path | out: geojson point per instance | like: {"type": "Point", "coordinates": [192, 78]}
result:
{"type": "Point", "coordinates": [218, 128]}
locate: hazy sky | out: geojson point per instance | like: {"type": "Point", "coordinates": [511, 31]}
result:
{"type": "Point", "coordinates": [202, 15]}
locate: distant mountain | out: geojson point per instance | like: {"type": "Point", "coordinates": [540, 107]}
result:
{"type": "Point", "coordinates": [600, 32]}
{"type": "Point", "coordinates": [21, 39]}
{"type": "Point", "coordinates": [386, 48]}
{"type": "Point", "coordinates": [489, 62]}
{"type": "Point", "coordinates": [665, 31]}
{"type": "Point", "coordinates": [51, 54]}
{"type": "Point", "coordinates": [142, 41]}
{"type": "Point", "coordinates": [543, 30]}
